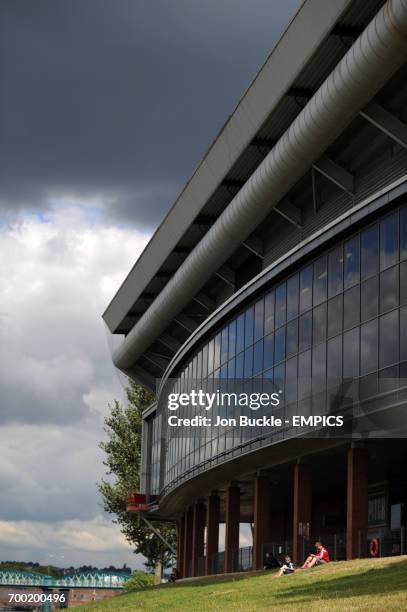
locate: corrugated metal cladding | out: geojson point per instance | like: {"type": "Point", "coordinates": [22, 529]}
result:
{"type": "Point", "coordinates": [380, 174]}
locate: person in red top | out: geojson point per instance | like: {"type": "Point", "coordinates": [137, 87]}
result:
{"type": "Point", "coordinates": [321, 557]}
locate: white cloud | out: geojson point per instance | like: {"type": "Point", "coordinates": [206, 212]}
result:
{"type": "Point", "coordinates": [57, 379]}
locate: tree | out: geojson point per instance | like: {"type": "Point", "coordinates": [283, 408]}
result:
{"type": "Point", "coordinates": [123, 461]}
{"type": "Point", "coordinates": [138, 580]}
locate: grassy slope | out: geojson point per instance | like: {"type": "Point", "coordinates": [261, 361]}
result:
{"type": "Point", "coordinates": [369, 584]}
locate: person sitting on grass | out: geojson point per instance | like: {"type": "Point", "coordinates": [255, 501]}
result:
{"type": "Point", "coordinates": [320, 558]}
{"type": "Point", "coordinates": [286, 568]}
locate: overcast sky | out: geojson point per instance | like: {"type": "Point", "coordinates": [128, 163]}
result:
{"type": "Point", "coordinates": [106, 107]}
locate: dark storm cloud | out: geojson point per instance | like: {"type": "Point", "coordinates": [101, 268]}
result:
{"type": "Point", "coordinates": [120, 99]}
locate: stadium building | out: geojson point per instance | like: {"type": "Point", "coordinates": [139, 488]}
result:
{"type": "Point", "coordinates": [285, 258]}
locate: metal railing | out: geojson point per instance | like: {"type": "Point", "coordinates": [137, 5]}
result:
{"type": "Point", "coordinates": [335, 544]}
{"type": "Point", "coordinates": [243, 559]}
{"type": "Point", "coordinates": [382, 542]}
{"type": "Point", "coordinates": [218, 563]}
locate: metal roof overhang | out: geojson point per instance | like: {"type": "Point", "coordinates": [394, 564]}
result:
{"type": "Point", "coordinates": [313, 21]}
{"type": "Point", "coordinates": [271, 104]}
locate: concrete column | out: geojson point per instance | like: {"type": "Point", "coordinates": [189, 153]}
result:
{"type": "Point", "coordinates": [357, 499]}
{"type": "Point", "coordinates": [180, 546]}
{"type": "Point", "coordinates": [198, 537]}
{"type": "Point", "coordinates": [212, 531]}
{"type": "Point", "coordinates": [302, 508]}
{"type": "Point", "coordinates": [232, 521]}
{"type": "Point", "coordinates": [188, 531]}
{"type": "Point", "coordinates": [262, 519]}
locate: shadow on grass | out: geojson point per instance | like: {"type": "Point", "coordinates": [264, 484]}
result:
{"type": "Point", "coordinates": [208, 580]}
{"type": "Point", "coordinates": [373, 581]}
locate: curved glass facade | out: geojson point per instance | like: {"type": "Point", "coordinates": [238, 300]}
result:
{"type": "Point", "coordinates": [343, 315]}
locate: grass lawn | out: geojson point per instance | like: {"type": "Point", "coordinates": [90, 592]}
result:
{"type": "Point", "coordinates": [368, 584]}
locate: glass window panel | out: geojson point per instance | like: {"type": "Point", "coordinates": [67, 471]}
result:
{"type": "Point", "coordinates": [210, 356]}
{"type": "Point", "coordinates": [403, 282]}
{"type": "Point", "coordinates": [318, 365]}
{"type": "Point", "coordinates": [281, 295]}
{"type": "Point", "coordinates": [279, 375]}
{"type": "Point", "coordinates": [334, 358]}
{"type": "Point", "coordinates": [240, 333]}
{"type": "Point", "coordinates": [304, 374]}
{"type": "Point", "coordinates": [205, 361]}
{"type": "Point", "coordinates": [231, 369]}
{"type": "Point", "coordinates": [389, 289]}
{"type": "Point", "coordinates": [292, 337]}
{"type": "Point", "coordinates": [335, 271]}
{"type": "Point", "coordinates": [232, 339]}
{"type": "Point", "coordinates": [292, 297]}
{"type": "Point", "coordinates": [269, 313]}
{"type": "Point", "coordinates": [305, 289]}
{"type": "Point", "coordinates": [403, 334]}
{"type": "Point", "coordinates": [351, 307]}
{"type": "Point", "coordinates": [334, 316]}
{"type": "Point", "coordinates": [369, 298]}
{"type": "Point", "coordinates": [268, 351]}
{"type": "Point", "coordinates": [249, 326]}
{"type": "Point", "coordinates": [279, 345]}
{"type": "Point", "coordinates": [403, 232]}
{"type": "Point", "coordinates": [319, 361]}
{"type": "Point", "coordinates": [388, 379]}
{"type": "Point", "coordinates": [305, 330]}
{"type": "Point", "coordinates": [319, 324]}
{"type": "Point", "coordinates": [199, 367]}
{"type": "Point", "coordinates": [248, 362]}
{"type": "Point", "coordinates": [388, 241]}
{"type": "Point", "coordinates": [368, 347]}
{"type": "Point", "coordinates": [351, 262]}
{"type": "Point", "coordinates": [320, 280]}
{"type": "Point", "coordinates": [258, 357]}
{"type": "Point", "coordinates": [259, 319]}
{"type": "Point", "coordinates": [224, 344]}
{"type": "Point", "coordinates": [389, 339]}
{"type": "Point", "coordinates": [369, 251]}
{"type": "Point", "coordinates": [291, 377]}
{"type": "Point", "coordinates": [239, 365]}
{"type": "Point", "coordinates": [224, 371]}
{"type": "Point", "coordinates": [216, 358]}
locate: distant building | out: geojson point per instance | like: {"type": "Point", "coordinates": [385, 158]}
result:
{"type": "Point", "coordinates": [285, 258]}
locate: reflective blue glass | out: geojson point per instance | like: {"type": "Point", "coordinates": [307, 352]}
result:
{"type": "Point", "coordinates": [305, 331]}
{"type": "Point", "coordinates": [292, 338]}
{"type": "Point", "coordinates": [368, 347]}
{"type": "Point", "coordinates": [389, 339]}
{"type": "Point", "coordinates": [335, 271]}
{"type": "Point", "coordinates": [281, 304]}
{"type": "Point", "coordinates": [292, 297]}
{"type": "Point", "coordinates": [232, 339]}
{"type": "Point", "coordinates": [248, 362]}
{"type": "Point", "coordinates": [224, 344]}
{"type": "Point", "coordinates": [269, 312]}
{"type": "Point", "coordinates": [268, 351]}
{"type": "Point", "coordinates": [249, 326]}
{"type": "Point", "coordinates": [369, 252]}
{"type": "Point", "coordinates": [306, 289]}
{"type": "Point", "coordinates": [320, 280]}
{"type": "Point", "coordinates": [240, 333]}
{"type": "Point", "coordinates": [403, 233]}
{"type": "Point", "coordinates": [351, 262]}
{"type": "Point", "coordinates": [258, 357]}
{"type": "Point", "coordinates": [259, 319]}
{"type": "Point", "coordinates": [388, 241]}
{"type": "Point", "coordinates": [279, 345]}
